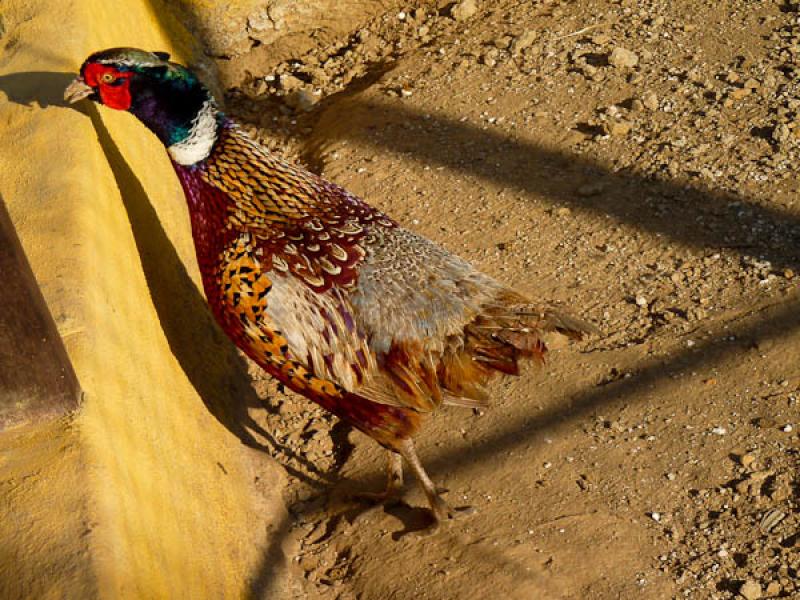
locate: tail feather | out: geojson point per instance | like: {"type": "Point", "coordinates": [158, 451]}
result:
{"type": "Point", "coordinates": [508, 330]}
{"type": "Point", "coordinates": [463, 377]}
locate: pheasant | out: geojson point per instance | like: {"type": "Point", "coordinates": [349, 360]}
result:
{"type": "Point", "coordinates": [327, 294]}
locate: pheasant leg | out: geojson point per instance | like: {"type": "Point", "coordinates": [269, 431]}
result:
{"type": "Point", "coordinates": [441, 510]}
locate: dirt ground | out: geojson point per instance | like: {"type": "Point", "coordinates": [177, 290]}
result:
{"type": "Point", "coordinates": [634, 160]}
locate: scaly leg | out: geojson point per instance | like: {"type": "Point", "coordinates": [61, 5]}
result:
{"type": "Point", "coordinates": [394, 482]}
{"type": "Point", "coordinates": [441, 510]}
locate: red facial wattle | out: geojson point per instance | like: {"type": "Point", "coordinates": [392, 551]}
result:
{"type": "Point", "coordinates": [112, 85]}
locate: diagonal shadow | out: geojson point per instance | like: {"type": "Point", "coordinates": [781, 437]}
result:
{"type": "Point", "coordinates": [692, 215]}
{"type": "Point", "coordinates": [206, 355]}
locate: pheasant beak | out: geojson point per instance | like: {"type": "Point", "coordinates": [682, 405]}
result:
{"type": "Point", "coordinates": [77, 90]}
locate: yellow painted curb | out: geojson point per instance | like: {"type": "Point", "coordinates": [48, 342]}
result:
{"type": "Point", "coordinates": [150, 481]}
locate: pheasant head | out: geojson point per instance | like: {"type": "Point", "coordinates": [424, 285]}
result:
{"type": "Point", "coordinates": [167, 97]}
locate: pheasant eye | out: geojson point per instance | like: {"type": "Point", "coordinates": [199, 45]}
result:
{"type": "Point", "coordinates": [107, 78]}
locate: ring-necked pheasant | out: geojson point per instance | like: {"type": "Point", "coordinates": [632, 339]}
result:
{"type": "Point", "coordinates": [327, 294]}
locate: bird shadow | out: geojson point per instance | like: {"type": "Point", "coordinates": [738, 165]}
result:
{"type": "Point", "coordinates": [208, 358]}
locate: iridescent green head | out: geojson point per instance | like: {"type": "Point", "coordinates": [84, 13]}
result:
{"type": "Point", "coordinates": [167, 97]}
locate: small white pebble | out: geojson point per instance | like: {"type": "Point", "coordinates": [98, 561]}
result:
{"type": "Point", "coordinates": [641, 301]}
{"type": "Point", "coordinates": [787, 428]}
{"type": "Point", "coordinates": [671, 476]}
{"type": "Point", "coordinates": [547, 465]}
{"type": "Point", "coordinates": [719, 431]}
{"type": "Point", "coordinates": [401, 15]}
{"type": "Point", "coordinates": [655, 516]}
{"type": "Point", "coordinates": [690, 343]}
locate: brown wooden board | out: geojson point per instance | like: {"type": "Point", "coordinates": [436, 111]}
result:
{"type": "Point", "coordinates": [36, 378]}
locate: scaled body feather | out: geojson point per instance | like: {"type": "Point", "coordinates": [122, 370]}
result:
{"type": "Point", "coordinates": [360, 302]}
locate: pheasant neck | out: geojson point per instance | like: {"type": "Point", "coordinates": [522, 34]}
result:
{"type": "Point", "coordinates": [182, 114]}
{"type": "Point", "coordinates": [200, 138]}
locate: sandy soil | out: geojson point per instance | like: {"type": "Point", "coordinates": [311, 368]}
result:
{"type": "Point", "coordinates": [634, 160]}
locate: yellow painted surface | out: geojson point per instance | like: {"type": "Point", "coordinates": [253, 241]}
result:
{"type": "Point", "coordinates": [44, 521]}
{"type": "Point", "coordinates": [164, 482]}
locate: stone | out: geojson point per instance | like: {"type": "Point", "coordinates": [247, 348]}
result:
{"type": "Point", "coordinates": [619, 128]}
{"type": "Point", "coordinates": [301, 100]}
{"type": "Point", "coordinates": [461, 11]}
{"type": "Point", "coordinates": [750, 590]}
{"type": "Point", "coordinates": [747, 460]}
{"type": "Point", "coordinates": [502, 42]}
{"type": "Point", "coordinates": [261, 87]}
{"type": "Point", "coordinates": [523, 41]}
{"type": "Point", "coordinates": [290, 82]}
{"type": "Point", "coordinates": [623, 58]}
{"type": "Point", "coordinates": [740, 93]}
{"type": "Point", "coordinates": [650, 101]}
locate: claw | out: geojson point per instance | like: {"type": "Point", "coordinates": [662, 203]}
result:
{"type": "Point", "coordinates": [442, 511]}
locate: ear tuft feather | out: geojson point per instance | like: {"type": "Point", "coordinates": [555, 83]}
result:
{"type": "Point", "coordinates": [162, 55]}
